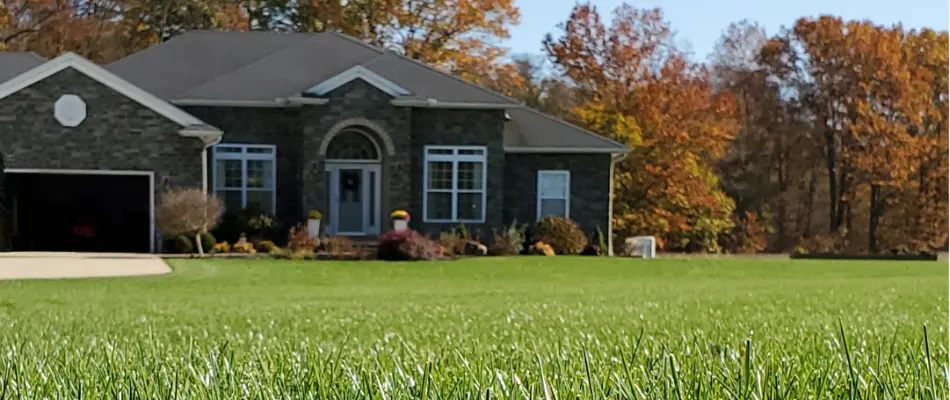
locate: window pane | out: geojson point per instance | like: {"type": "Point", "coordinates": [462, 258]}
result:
{"type": "Point", "coordinates": [470, 175]}
{"type": "Point", "coordinates": [470, 206]}
{"type": "Point", "coordinates": [228, 173]}
{"type": "Point", "coordinates": [553, 186]}
{"type": "Point", "coordinates": [439, 206]}
{"type": "Point", "coordinates": [470, 152]}
{"type": "Point", "coordinates": [221, 149]}
{"type": "Point", "coordinates": [440, 175]}
{"type": "Point", "coordinates": [259, 174]}
{"type": "Point", "coordinates": [440, 151]}
{"type": "Point", "coordinates": [231, 199]}
{"type": "Point", "coordinates": [260, 150]}
{"type": "Point", "coordinates": [260, 200]}
{"type": "Point", "coordinates": [557, 208]}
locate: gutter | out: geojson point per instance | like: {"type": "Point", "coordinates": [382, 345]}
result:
{"type": "Point", "coordinates": [209, 136]}
{"type": "Point", "coordinates": [433, 103]}
{"type": "Point", "coordinates": [585, 150]}
{"type": "Point", "coordinates": [280, 102]}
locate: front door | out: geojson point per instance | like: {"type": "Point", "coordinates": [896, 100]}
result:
{"type": "Point", "coordinates": [354, 199]}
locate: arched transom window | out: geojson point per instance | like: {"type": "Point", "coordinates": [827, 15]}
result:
{"type": "Point", "coordinates": [352, 144]}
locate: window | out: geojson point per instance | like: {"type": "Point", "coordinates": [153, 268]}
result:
{"type": "Point", "coordinates": [351, 144]}
{"type": "Point", "coordinates": [244, 176]}
{"type": "Point", "coordinates": [554, 193]}
{"type": "Point", "coordinates": [454, 184]}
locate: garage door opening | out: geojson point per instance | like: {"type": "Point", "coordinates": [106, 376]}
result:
{"type": "Point", "coordinates": [85, 212]}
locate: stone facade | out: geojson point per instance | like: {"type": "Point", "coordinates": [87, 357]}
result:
{"type": "Point", "coordinates": [590, 187]}
{"type": "Point", "coordinates": [117, 134]}
{"type": "Point", "coordinates": [449, 127]}
{"type": "Point", "coordinates": [120, 134]}
{"type": "Point", "coordinates": [271, 126]}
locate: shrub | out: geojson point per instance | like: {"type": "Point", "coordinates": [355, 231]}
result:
{"type": "Point", "coordinates": [207, 240]}
{"type": "Point", "coordinates": [188, 211]}
{"type": "Point", "coordinates": [298, 239]}
{"type": "Point", "coordinates": [338, 245]}
{"type": "Point", "coordinates": [510, 242]}
{"type": "Point", "coordinates": [251, 221]}
{"type": "Point", "coordinates": [452, 242]}
{"type": "Point", "coordinates": [181, 244]}
{"type": "Point", "coordinates": [542, 249]}
{"type": "Point", "coordinates": [407, 245]}
{"type": "Point", "coordinates": [746, 236]}
{"type": "Point", "coordinates": [305, 254]}
{"type": "Point", "coordinates": [600, 239]}
{"type": "Point", "coordinates": [246, 248]}
{"type": "Point", "coordinates": [266, 246]}
{"type": "Point", "coordinates": [564, 236]}
{"type": "Point", "coordinates": [222, 247]}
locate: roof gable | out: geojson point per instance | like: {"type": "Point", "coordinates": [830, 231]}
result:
{"type": "Point", "coordinates": [97, 73]}
{"type": "Point", "coordinates": [358, 72]}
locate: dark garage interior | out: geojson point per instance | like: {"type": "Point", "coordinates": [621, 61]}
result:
{"type": "Point", "coordinates": [71, 212]}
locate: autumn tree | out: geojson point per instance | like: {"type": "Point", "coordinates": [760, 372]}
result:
{"type": "Point", "coordinates": [641, 90]}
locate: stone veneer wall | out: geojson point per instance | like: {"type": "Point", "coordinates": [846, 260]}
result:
{"type": "Point", "coordinates": [117, 134]}
{"type": "Point", "coordinates": [452, 127]}
{"type": "Point", "coordinates": [299, 132]}
{"type": "Point", "coordinates": [590, 187]}
{"type": "Point", "coordinates": [270, 126]}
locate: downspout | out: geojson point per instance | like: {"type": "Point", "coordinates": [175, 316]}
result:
{"type": "Point", "coordinates": [208, 142]}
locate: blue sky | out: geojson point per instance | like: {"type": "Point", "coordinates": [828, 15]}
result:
{"type": "Point", "coordinates": [701, 23]}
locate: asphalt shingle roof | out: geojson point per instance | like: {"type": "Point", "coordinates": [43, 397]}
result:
{"type": "Point", "coordinates": [264, 66]}
{"type": "Point", "coordinates": [16, 63]}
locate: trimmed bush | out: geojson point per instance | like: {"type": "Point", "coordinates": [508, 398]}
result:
{"type": "Point", "coordinates": [266, 246]}
{"type": "Point", "coordinates": [207, 240]}
{"type": "Point", "coordinates": [182, 245]}
{"type": "Point", "coordinates": [564, 236]}
{"type": "Point", "coordinates": [407, 245]}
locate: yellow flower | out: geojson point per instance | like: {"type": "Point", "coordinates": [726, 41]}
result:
{"type": "Point", "coordinates": [399, 214]}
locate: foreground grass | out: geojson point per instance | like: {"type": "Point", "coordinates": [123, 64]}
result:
{"type": "Point", "coordinates": [483, 328]}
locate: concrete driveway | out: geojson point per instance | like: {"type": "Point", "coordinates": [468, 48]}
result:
{"type": "Point", "coordinates": [37, 265]}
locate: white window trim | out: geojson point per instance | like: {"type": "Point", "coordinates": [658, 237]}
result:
{"type": "Point", "coordinates": [244, 156]}
{"type": "Point", "coordinates": [567, 198]}
{"type": "Point", "coordinates": [455, 159]}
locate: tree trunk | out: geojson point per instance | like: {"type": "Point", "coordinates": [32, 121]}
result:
{"type": "Point", "coordinates": [201, 251]}
{"type": "Point", "coordinates": [809, 203]}
{"type": "Point", "coordinates": [832, 182]}
{"type": "Point", "coordinates": [874, 217]}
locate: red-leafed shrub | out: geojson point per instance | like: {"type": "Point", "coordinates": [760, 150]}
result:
{"type": "Point", "coordinates": [407, 245]}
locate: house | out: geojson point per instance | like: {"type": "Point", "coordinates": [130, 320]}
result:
{"type": "Point", "coordinates": [288, 123]}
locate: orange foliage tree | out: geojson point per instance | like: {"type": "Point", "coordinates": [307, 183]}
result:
{"type": "Point", "coordinates": [642, 91]}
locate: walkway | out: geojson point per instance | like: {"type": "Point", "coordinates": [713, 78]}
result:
{"type": "Point", "coordinates": [36, 265]}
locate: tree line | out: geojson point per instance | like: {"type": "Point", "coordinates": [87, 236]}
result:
{"type": "Point", "coordinates": [829, 135]}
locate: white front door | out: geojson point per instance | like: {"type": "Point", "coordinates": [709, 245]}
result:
{"type": "Point", "coordinates": [354, 198]}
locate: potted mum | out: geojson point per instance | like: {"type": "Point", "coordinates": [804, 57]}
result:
{"type": "Point", "coordinates": [400, 220]}
{"type": "Point", "coordinates": [313, 223]}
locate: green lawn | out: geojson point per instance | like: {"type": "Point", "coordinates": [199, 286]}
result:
{"type": "Point", "coordinates": [557, 327]}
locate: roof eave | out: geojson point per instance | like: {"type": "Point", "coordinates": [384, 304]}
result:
{"type": "Point", "coordinates": [564, 150]}
{"type": "Point", "coordinates": [433, 103]}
